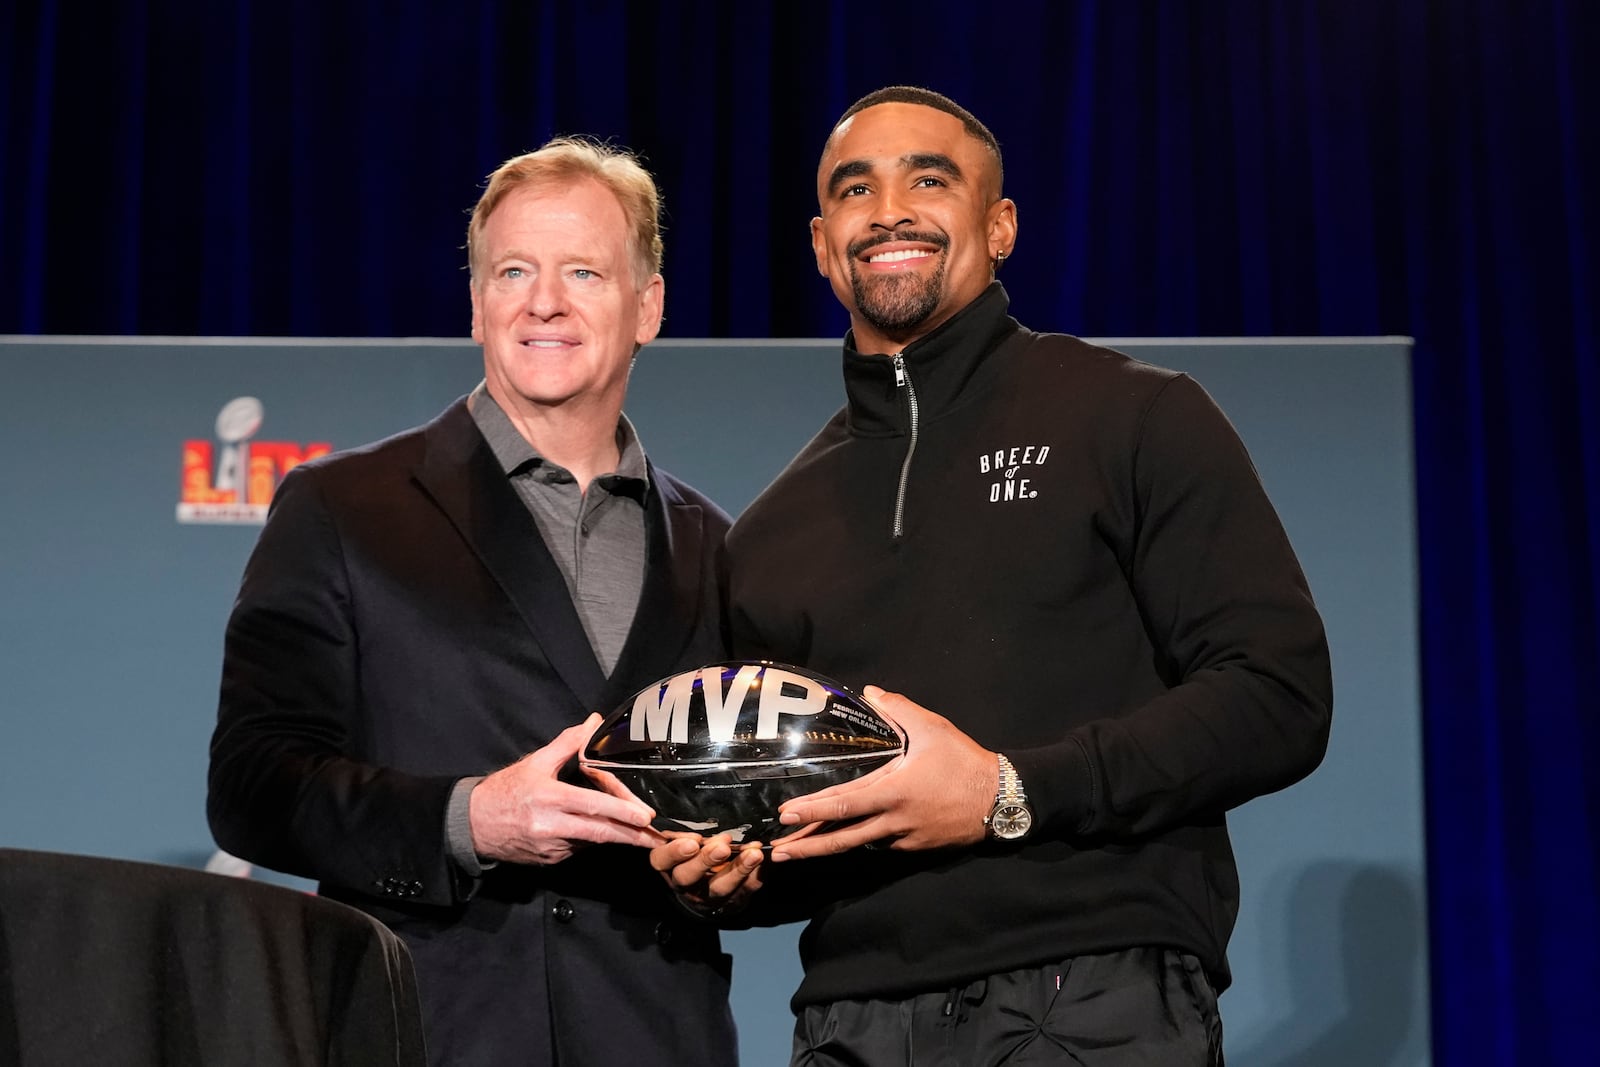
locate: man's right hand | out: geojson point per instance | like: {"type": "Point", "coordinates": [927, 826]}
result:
{"type": "Point", "coordinates": [525, 814]}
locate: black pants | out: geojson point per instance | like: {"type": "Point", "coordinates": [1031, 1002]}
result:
{"type": "Point", "coordinates": [1144, 1007]}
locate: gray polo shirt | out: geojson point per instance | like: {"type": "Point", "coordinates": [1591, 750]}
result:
{"type": "Point", "coordinates": [597, 540]}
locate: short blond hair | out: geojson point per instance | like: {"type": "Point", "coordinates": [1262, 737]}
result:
{"type": "Point", "coordinates": [563, 162]}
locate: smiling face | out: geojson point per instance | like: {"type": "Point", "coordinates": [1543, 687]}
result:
{"type": "Point", "coordinates": [911, 220]}
{"type": "Point", "coordinates": [556, 305]}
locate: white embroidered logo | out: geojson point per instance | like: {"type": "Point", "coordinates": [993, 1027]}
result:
{"type": "Point", "coordinates": [1008, 464]}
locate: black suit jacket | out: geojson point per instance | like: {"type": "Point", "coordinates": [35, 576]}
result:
{"type": "Point", "coordinates": [401, 625]}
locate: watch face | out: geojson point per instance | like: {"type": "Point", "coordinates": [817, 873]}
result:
{"type": "Point", "coordinates": [1011, 821]}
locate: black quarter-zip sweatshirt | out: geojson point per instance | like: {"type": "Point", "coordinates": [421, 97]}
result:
{"type": "Point", "coordinates": [1068, 553]}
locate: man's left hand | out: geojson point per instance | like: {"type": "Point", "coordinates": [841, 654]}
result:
{"type": "Point", "coordinates": [709, 874]}
{"type": "Point", "coordinates": [935, 796]}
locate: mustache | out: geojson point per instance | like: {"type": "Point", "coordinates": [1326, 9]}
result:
{"type": "Point", "coordinates": [927, 237]}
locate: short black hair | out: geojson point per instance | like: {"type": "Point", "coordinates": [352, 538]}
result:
{"type": "Point", "coordinates": [912, 94]}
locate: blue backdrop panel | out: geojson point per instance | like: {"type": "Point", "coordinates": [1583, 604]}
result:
{"type": "Point", "coordinates": [111, 616]}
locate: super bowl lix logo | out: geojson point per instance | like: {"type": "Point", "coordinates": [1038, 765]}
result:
{"type": "Point", "coordinates": [233, 479]}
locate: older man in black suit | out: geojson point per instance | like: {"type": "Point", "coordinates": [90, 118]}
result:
{"type": "Point", "coordinates": [428, 623]}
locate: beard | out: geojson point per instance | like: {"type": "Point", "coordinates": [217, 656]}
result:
{"type": "Point", "coordinates": [896, 303]}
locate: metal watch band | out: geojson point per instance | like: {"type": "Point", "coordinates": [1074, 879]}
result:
{"type": "Point", "coordinates": [1010, 784]}
{"type": "Point", "coordinates": [1011, 818]}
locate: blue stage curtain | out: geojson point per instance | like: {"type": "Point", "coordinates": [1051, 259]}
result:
{"type": "Point", "coordinates": [1223, 168]}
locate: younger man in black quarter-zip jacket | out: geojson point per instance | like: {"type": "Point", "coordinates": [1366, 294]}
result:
{"type": "Point", "coordinates": [1067, 553]}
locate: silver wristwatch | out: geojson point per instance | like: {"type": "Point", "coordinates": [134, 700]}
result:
{"type": "Point", "coordinates": [1011, 817]}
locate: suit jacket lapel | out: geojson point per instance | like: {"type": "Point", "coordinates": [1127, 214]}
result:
{"type": "Point", "coordinates": [461, 474]}
{"type": "Point", "coordinates": [670, 600]}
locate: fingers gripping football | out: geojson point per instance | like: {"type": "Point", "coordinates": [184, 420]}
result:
{"type": "Point", "coordinates": [525, 814]}
{"type": "Point", "coordinates": [935, 796]}
{"type": "Point", "coordinates": [708, 873]}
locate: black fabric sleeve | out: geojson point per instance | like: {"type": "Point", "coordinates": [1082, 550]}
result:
{"type": "Point", "coordinates": [1231, 618]}
{"type": "Point", "coordinates": [285, 789]}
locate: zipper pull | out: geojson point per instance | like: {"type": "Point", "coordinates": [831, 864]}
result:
{"type": "Point", "coordinates": [899, 368]}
